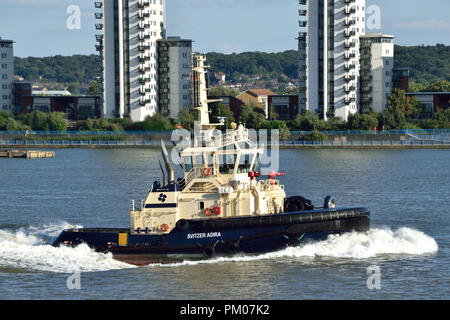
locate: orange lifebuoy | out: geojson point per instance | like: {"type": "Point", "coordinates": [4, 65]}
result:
{"type": "Point", "coordinates": [164, 227]}
{"type": "Point", "coordinates": [207, 172]}
{"type": "Point", "coordinates": [217, 211]}
{"type": "Point", "coordinates": [208, 211]}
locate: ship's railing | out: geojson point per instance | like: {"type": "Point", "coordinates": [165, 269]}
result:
{"type": "Point", "coordinates": [229, 137]}
{"type": "Point", "coordinates": [268, 185]}
{"type": "Point", "coordinates": [200, 172]}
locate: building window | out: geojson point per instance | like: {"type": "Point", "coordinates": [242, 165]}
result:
{"type": "Point", "coordinates": [4, 66]}
{"type": "Point", "coordinates": [3, 55]}
{"type": "Point", "coordinates": [4, 76]}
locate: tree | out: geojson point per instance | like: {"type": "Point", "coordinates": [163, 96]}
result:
{"type": "Point", "coordinates": [393, 118]}
{"type": "Point", "coordinates": [438, 86]}
{"type": "Point", "coordinates": [251, 117]}
{"type": "Point", "coordinates": [74, 88]}
{"type": "Point", "coordinates": [93, 88]}
{"type": "Point", "coordinates": [220, 110]}
{"type": "Point", "coordinates": [223, 91]}
{"type": "Point", "coordinates": [407, 105]}
{"type": "Point", "coordinates": [362, 121]}
{"type": "Point", "coordinates": [187, 118]}
{"type": "Point", "coordinates": [157, 122]}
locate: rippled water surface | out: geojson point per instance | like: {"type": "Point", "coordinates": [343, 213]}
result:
{"type": "Point", "coordinates": [407, 192]}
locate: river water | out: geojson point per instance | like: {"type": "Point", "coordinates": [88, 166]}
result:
{"type": "Point", "coordinates": [405, 255]}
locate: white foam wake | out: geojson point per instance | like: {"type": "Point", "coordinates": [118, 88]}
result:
{"type": "Point", "coordinates": [25, 249]}
{"type": "Point", "coordinates": [374, 243]}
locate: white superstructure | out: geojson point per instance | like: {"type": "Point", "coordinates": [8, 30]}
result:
{"type": "Point", "coordinates": [6, 75]}
{"type": "Point", "coordinates": [128, 50]}
{"type": "Point", "coordinates": [377, 62]}
{"type": "Point", "coordinates": [329, 55]}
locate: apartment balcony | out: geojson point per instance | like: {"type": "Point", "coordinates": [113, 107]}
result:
{"type": "Point", "coordinates": [349, 45]}
{"type": "Point", "coordinates": [143, 26]}
{"type": "Point", "coordinates": [366, 78]}
{"type": "Point", "coordinates": [349, 67]}
{"type": "Point", "coordinates": [303, 24]}
{"type": "Point", "coordinates": [350, 11]}
{"type": "Point", "coordinates": [349, 34]}
{"type": "Point", "coordinates": [143, 15]}
{"type": "Point", "coordinates": [349, 78]}
{"type": "Point", "coordinates": [99, 37]}
{"type": "Point", "coordinates": [144, 80]}
{"type": "Point", "coordinates": [144, 48]}
{"type": "Point", "coordinates": [347, 2]}
{"type": "Point", "coordinates": [302, 13]}
{"type": "Point", "coordinates": [350, 56]}
{"type": "Point", "coordinates": [350, 100]}
{"type": "Point", "coordinates": [349, 89]}
{"type": "Point", "coordinates": [98, 15]}
{"type": "Point", "coordinates": [349, 22]}
{"type": "Point", "coordinates": [143, 3]}
{"type": "Point", "coordinates": [302, 2]}
{"type": "Point", "coordinates": [99, 26]}
{"type": "Point", "coordinates": [99, 47]}
{"type": "Point", "coordinates": [144, 36]}
{"type": "Point", "coordinates": [143, 59]}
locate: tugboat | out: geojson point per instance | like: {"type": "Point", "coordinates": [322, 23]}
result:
{"type": "Point", "coordinates": [222, 205]}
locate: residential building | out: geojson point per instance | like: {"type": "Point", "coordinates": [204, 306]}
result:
{"type": "Point", "coordinates": [400, 79]}
{"type": "Point", "coordinates": [128, 51]}
{"type": "Point", "coordinates": [285, 106]}
{"type": "Point", "coordinates": [328, 46]}
{"type": "Point", "coordinates": [174, 74]}
{"type": "Point", "coordinates": [6, 74]}
{"type": "Point", "coordinates": [257, 96]}
{"type": "Point", "coordinates": [76, 107]}
{"type": "Point", "coordinates": [431, 102]}
{"type": "Point", "coordinates": [231, 102]}
{"type": "Point", "coordinates": [377, 63]}
{"type": "Point", "coordinates": [20, 90]}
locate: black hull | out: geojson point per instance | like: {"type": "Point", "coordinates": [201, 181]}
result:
{"type": "Point", "coordinates": [220, 236]}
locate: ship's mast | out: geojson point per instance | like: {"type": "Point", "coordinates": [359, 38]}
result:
{"type": "Point", "coordinates": [200, 90]}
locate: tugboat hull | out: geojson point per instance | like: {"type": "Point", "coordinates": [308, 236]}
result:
{"type": "Point", "coordinates": [194, 239]}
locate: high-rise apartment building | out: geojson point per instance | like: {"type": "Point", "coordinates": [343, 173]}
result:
{"type": "Point", "coordinates": [174, 74]}
{"type": "Point", "coordinates": [377, 63]}
{"type": "Point", "coordinates": [128, 52]}
{"type": "Point", "coordinates": [6, 75]}
{"type": "Point", "coordinates": [329, 56]}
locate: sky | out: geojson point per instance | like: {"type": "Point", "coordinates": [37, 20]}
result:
{"type": "Point", "coordinates": [39, 27]}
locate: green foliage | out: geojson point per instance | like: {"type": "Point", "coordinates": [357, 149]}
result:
{"type": "Point", "coordinates": [100, 125]}
{"type": "Point", "coordinates": [41, 121]}
{"type": "Point", "coordinates": [223, 91]}
{"type": "Point", "coordinates": [221, 110]}
{"type": "Point", "coordinates": [252, 63]}
{"type": "Point", "coordinates": [71, 69]}
{"type": "Point", "coordinates": [252, 117]}
{"type": "Point", "coordinates": [407, 105]}
{"type": "Point", "coordinates": [367, 121]}
{"type": "Point", "coordinates": [426, 64]}
{"type": "Point", "coordinates": [438, 86]}
{"type": "Point", "coordinates": [157, 122]}
{"type": "Point", "coordinates": [393, 118]}
{"type": "Point", "coordinates": [315, 136]}
{"type": "Point", "coordinates": [306, 121]}
{"type": "Point", "coordinates": [93, 88]}
{"type": "Point", "coordinates": [187, 118]}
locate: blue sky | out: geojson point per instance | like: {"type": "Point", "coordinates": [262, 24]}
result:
{"type": "Point", "coordinates": [39, 26]}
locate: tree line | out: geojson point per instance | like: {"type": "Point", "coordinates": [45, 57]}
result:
{"type": "Point", "coordinates": [427, 64]}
